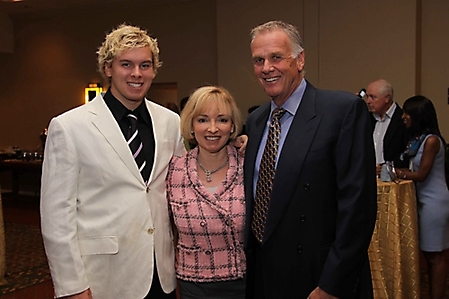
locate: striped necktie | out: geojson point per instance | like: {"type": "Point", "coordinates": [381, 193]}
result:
{"type": "Point", "coordinates": [266, 175]}
{"type": "Point", "coordinates": [136, 145]}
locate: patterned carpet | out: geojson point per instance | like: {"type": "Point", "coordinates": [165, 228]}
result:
{"type": "Point", "coordinates": [26, 264]}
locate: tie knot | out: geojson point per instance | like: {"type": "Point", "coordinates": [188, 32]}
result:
{"type": "Point", "coordinates": [278, 113]}
{"type": "Point", "coordinates": [132, 118]}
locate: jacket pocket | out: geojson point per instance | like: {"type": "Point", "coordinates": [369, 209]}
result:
{"type": "Point", "coordinates": [98, 245]}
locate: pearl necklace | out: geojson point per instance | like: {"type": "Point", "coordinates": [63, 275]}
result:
{"type": "Point", "coordinates": [210, 172]}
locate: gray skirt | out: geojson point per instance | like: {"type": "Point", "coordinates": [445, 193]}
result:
{"type": "Point", "coordinates": [233, 289]}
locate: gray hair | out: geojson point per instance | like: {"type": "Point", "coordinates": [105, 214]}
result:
{"type": "Point", "coordinates": [384, 87]}
{"type": "Point", "coordinates": [291, 31]}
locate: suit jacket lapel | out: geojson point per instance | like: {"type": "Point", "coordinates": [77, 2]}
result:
{"type": "Point", "coordinates": [253, 145]}
{"type": "Point", "coordinates": [292, 156]}
{"type": "Point", "coordinates": [250, 160]}
{"type": "Point", "coordinates": [105, 123]}
{"type": "Point", "coordinates": [395, 122]}
{"type": "Point", "coordinates": [158, 135]}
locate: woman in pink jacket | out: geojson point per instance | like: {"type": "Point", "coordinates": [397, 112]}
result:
{"type": "Point", "coordinates": [206, 197]}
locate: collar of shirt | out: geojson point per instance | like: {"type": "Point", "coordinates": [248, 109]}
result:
{"type": "Point", "coordinates": [388, 114]}
{"type": "Point", "coordinates": [142, 113]}
{"type": "Point", "coordinates": [120, 111]}
{"type": "Point", "coordinates": [292, 103]}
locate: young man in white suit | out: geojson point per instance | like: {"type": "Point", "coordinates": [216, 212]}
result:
{"type": "Point", "coordinates": [105, 226]}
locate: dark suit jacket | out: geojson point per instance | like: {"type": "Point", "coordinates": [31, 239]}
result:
{"type": "Point", "coordinates": [323, 205]}
{"type": "Point", "coordinates": [395, 139]}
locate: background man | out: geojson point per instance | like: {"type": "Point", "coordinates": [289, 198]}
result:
{"type": "Point", "coordinates": [310, 239]}
{"type": "Point", "coordinates": [388, 127]}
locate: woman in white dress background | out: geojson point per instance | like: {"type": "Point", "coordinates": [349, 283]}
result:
{"type": "Point", "coordinates": [426, 151]}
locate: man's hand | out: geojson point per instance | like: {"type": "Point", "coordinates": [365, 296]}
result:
{"type": "Point", "coordinates": [240, 142]}
{"type": "Point", "coordinates": [378, 170]}
{"type": "Point", "coordinates": [87, 294]}
{"type": "Point", "coordinates": [320, 294]}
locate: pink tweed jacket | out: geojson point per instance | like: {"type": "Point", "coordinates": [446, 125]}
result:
{"type": "Point", "coordinates": [210, 226]}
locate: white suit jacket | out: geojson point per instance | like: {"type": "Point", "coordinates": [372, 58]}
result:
{"type": "Point", "coordinates": [101, 225]}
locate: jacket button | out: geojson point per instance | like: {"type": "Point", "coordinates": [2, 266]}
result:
{"type": "Point", "coordinates": [299, 249]}
{"type": "Point", "coordinates": [302, 218]}
{"type": "Point", "coordinates": [306, 186]}
{"type": "Point", "coordinates": [150, 231]}
{"type": "Point", "coordinates": [148, 189]}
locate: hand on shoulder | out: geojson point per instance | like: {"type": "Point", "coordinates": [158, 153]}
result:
{"type": "Point", "coordinates": [240, 142]}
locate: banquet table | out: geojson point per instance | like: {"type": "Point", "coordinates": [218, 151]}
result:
{"type": "Point", "coordinates": [394, 248]}
{"type": "Point", "coordinates": [17, 167]}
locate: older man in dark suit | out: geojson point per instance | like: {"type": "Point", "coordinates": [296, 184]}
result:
{"type": "Point", "coordinates": [310, 220]}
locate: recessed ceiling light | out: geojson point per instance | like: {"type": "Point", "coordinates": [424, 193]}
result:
{"type": "Point", "coordinates": [11, 0]}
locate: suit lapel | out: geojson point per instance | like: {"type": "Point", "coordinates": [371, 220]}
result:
{"type": "Point", "coordinates": [158, 135]}
{"type": "Point", "coordinates": [105, 123]}
{"type": "Point", "coordinates": [395, 122]}
{"type": "Point", "coordinates": [255, 135]}
{"type": "Point", "coordinates": [253, 145]}
{"type": "Point", "coordinates": [294, 152]}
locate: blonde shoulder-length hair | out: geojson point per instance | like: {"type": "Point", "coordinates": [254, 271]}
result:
{"type": "Point", "coordinates": [205, 97]}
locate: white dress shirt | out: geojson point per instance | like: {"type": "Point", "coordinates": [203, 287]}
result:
{"type": "Point", "coordinates": [379, 132]}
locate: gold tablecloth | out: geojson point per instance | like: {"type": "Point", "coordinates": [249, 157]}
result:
{"type": "Point", "coordinates": [394, 248]}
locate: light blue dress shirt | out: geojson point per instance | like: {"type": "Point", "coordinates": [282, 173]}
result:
{"type": "Point", "coordinates": [291, 105]}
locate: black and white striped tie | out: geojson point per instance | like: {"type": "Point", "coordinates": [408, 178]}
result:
{"type": "Point", "coordinates": [135, 144]}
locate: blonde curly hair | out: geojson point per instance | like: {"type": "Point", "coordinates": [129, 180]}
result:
{"type": "Point", "coordinates": [122, 38]}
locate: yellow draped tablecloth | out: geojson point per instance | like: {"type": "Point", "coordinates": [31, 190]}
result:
{"type": "Point", "coordinates": [394, 248]}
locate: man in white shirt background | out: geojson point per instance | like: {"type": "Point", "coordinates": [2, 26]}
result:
{"type": "Point", "coordinates": [388, 127]}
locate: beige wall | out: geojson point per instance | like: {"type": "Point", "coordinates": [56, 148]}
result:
{"type": "Point", "coordinates": [348, 44]}
{"type": "Point", "coordinates": [359, 43]}
{"type": "Point", "coordinates": [435, 59]}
